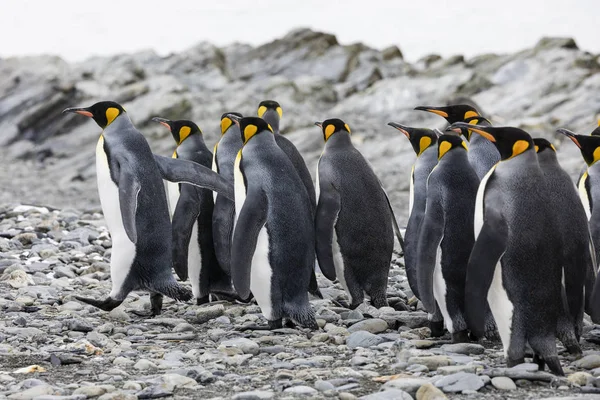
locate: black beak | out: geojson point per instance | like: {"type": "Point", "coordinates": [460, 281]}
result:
{"type": "Point", "coordinates": [397, 126]}
{"type": "Point", "coordinates": [319, 124]}
{"type": "Point", "coordinates": [162, 121]}
{"type": "Point", "coordinates": [566, 132]}
{"type": "Point", "coordinates": [235, 118]}
{"type": "Point", "coordinates": [79, 110]}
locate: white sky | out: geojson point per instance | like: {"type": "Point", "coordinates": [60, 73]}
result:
{"type": "Point", "coordinates": [77, 29]}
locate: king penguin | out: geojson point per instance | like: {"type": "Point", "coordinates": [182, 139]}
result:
{"type": "Point", "coordinates": [423, 143]}
{"type": "Point", "coordinates": [483, 155]}
{"type": "Point", "coordinates": [446, 236]}
{"type": "Point", "coordinates": [271, 112]}
{"type": "Point", "coordinates": [135, 207]}
{"type": "Point", "coordinates": [272, 252]}
{"type": "Point", "coordinates": [588, 187]}
{"type": "Point", "coordinates": [355, 236]}
{"type": "Point", "coordinates": [515, 263]}
{"type": "Point", "coordinates": [192, 215]}
{"type": "Point", "coordinates": [224, 154]}
{"type": "Point", "coordinates": [578, 255]}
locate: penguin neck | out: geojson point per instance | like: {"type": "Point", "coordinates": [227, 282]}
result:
{"type": "Point", "coordinates": [429, 156]}
{"type": "Point", "coordinates": [272, 118]}
{"type": "Point", "coordinates": [547, 157]}
{"type": "Point", "coordinates": [261, 139]}
{"type": "Point", "coordinates": [120, 126]}
{"type": "Point", "coordinates": [193, 142]}
{"type": "Point", "coordinates": [454, 157]}
{"type": "Point", "coordinates": [525, 158]}
{"type": "Point", "coordinates": [338, 140]}
{"type": "Point", "coordinates": [232, 137]}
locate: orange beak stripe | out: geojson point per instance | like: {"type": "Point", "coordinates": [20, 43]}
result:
{"type": "Point", "coordinates": [484, 134]}
{"type": "Point", "coordinates": [85, 113]}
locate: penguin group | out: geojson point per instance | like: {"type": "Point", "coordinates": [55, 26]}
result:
{"type": "Point", "coordinates": [499, 242]}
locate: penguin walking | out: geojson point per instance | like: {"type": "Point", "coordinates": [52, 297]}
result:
{"type": "Point", "coordinates": [578, 255]}
{"type": "Point", "coordinates": [134, 205]}
{"type": "Point", "coordinates": [272, 252]}
{"type": "Point", "coordinates": [588, 187]}
{"type": "Point", "coordinates": [483, 155]}
{"type": "Point", "coordinates": [224, 154]}
{"type": "Point", "coordinates": [515, 263]}
{"type": "Point", "coordinates": [355, 237]}
{"type": "Point", "coordinates": [446, 236]}
{"type": "Point", "coordinates": [423, 143]}
{"type": "Point", "coordinates": [192, 215]}
{"type": "Point", "coordinates": [271, 112]}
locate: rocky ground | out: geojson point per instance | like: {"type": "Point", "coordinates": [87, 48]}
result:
{"type": "Point", "coordinates": [53, 347]}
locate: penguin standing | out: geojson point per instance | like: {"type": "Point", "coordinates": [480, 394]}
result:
{"type": "Point", "coordinates": [446, 235]}
{"type": "Point", "coordinates": [355, 237]}
{"type": "Point", "coordinates": [271, 112]}
{"type": "Point", "coordinates": [577, 247]}
{"type": "Point", "coordinates": [423, 143]}
{"type": "Point", "coordinates": [272, 252]}
{"type": "Point", "coordinates": [134, 205]}
{"type": "Point", "coordinates": [223, 162]}
{"type": "Point", "coordinates": [192, 214]}
{"type": "Point", "coordinates": [483, 155]}
{"type": "Point", "coordinates": [589, 192]}
{"type": "Point", "coordinates": [516, 261]}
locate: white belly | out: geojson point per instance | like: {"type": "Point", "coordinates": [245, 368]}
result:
{"type": "Point", "coordinates": [239, 188]}
{"type": "Point", "coordinates": [502, 308]}
{"type": "Point", "coordinates": [261, 273]}
{"type": "Point", "coordinates": [411, 199]}
{"type": "Point", "coordinates": [338, 264]}
{"type": "Point", "coordinates": [439, 290]}
{"type": "Point", "coordinates": [195, 262]}
{"type": "Point", "coordinates": [172, 196]}
{"type": "Point", "coordinates": [583, 195]}
{"type": "Point", "coordinates": [214, 168]}
{"type": "Point", "coordinates": [479, 206]}
{"type": "Point", "coordinates": [317, 185]}
{"type": "Point", "coordinates": [123, 249]}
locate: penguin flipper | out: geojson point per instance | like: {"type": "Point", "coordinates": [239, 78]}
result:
{"type": "Point", "coordinates": [328, 208]}
{"type": "Point", "coordinates": [488, 249]}
{"type": "Point", "coordinates": [430, 237]}
{"type": "Point", "coordinates": [184, 171]}
{"type": "Point", "coordinates": [185, 215]}
{"type": "Point", "coordinates": [251, 220]}
{"type": "Point", "coordinates": [594, 302]}
{"type": "Point", "coordinates": [129, 189]}
{"type": "Point", "coordinates": [394, 220]}
{"type": "Point", "coordinates": [590, 275]}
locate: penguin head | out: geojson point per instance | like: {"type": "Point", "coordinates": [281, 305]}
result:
{"type": "Point", "coordinates": [447, 143]}
{"type": "Point", "coordinates": [509, 141]}
{"type": "Point", "coordinates": [454, 113]}
{"type": "Point", "coordinates": [250, 126]}
{"type": "Point", "coordinates": [541, 145]}
{"type": "Point", "coordinates": [476, 120]}
{"type": "Point", "coordinates": [589, 145]}
{"type": "Point", "coordinates": [226, 122]}
{"type": "Point", "coordinates": [420, 138]}
{"type": "Point", "coordinates": [331, 126]}
{"type": "Point", "coordinates": [104, 112]}
{"type": "Point", "coordinates": [270, 111]}
{"type": "Point", "coordinates": [180, 129]}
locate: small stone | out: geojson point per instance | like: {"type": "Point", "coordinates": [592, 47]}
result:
{"type": "Point", "coordinates": [580, 378]}
{"type": "Point", "coordinates": [503, 383]}
{"type": "Point", "coordinates": [388, 394]}
{"type": "Point", "coordinates": [36, 391]}
{"type": "Point", "coordinates": [118, 396]}
{"type": "Point", "coordinates": [91, 391]}
{"type": "Point", "coordinates": [323, 386]}
{"type": "Point", "coordinates": [431, 362]}
{"type": "Point", "coordinates": [320, 338]}
{"type": "Point", "coordinates": [254, 395]}
{"type": "Point", "coordinates": [430, 392]}
{"type": "Point", "coordinates": [529, 367]}
{"type": "Point", "coordinates": [131, 385]}
{"type": "Point", "coordinates": [55, 397]}
{"type": "Point", "coordinates": [78, 325]}
{"type": "Point", "coordinates": [144, 365]}
{"type": "Point", "coordinates": [346, 396]}
{"type": "Point", "coordinates": [301, 390]}
{"type": "Point", "coordinates": [63, 271]}
{"type": "Point", "coordinates": [72, 306]}
{"type": "Point", "coordinates": [590, 361]}
{"type": "Point", "coordinates": [183, 327]}
{"type": "Point", "coordinates": [460, 382]}
{"type": "Point", "coordinates": [239, 346]}
{"type": "Point", "coordinates": [205, 314]}
{"type": "Point", "coordinates": [409, 385]}
{"type": "Point", "coordinates": [423, 344]}
{"type": "Point", "coordinates": [154, 392]}
{"type": "Point", "coordinates": [123, 361]}
{"type": "Point", "coordinates": [464, 348]}
{"type": "Point", "coordinates": [453, 369]}
{"type": "Point", "coordinates": [179, 381]}
{"type": "Point", "coordinates": [374, 325]}
{"type": "Point", "coordinates": [363, 339]}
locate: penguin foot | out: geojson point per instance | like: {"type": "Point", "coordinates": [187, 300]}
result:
{"type": "Point", "coordinates": [437, 328]}
{"type": "Point", "coordinates": [537, 359]}
{"type": "Point", "coordinates": [515, 361]}
{"type": "Point", "coordinates": [202, 300]}
{"type": "Point", "coordinates": [271, 325]}
{"type": "Point", "coordinates": [156, 302]}
{"type": "Point", "coordinates": [554, 365]}
{"type": "Point", "coordinates": [340, 303]}
{"type": "Point", "coordinates": [107, 304]}
{"type": "Point", "coordinates": [460, 337]}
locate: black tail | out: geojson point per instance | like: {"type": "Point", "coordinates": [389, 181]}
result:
{"type": "Point", "coordinates": [106, 305]}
